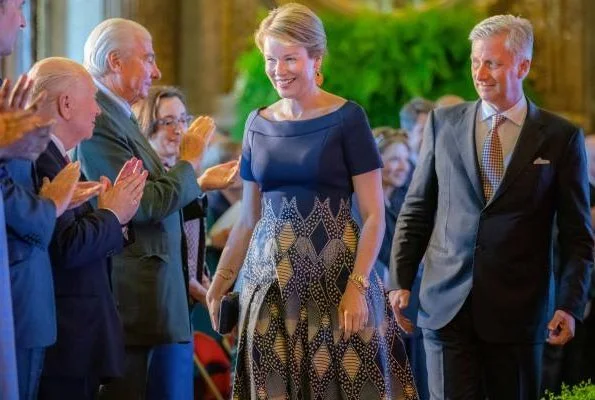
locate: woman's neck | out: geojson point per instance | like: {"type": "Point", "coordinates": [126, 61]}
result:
{"type": "Point", "coordinates": [296, 109]}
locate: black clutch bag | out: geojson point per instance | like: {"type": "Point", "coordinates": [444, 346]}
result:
{"type": "Point", "coordinates": [229, 312]}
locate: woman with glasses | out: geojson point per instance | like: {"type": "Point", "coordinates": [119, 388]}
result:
{"type": "Point", "coordinates": [164, 118]}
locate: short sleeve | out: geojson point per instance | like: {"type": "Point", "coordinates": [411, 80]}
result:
{"type": "Point", "coordinates": [246, 162]}
{"type": "Point", "coordinates": [361, 152]}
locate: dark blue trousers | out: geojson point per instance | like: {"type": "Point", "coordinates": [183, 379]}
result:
{"type": "Point", "coordinates": [461, 366]}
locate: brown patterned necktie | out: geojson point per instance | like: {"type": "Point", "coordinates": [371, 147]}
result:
{"type": "Point", "coordinates": [492, 159]}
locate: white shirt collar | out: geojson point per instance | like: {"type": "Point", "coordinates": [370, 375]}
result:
{"type": "Point", "coordinates": [58, 144]}
{"type": "Point", "coordinates": [515, 114]}
{"type": "Point", "coordinates": [123, 104]}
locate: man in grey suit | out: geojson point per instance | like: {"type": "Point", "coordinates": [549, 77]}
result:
{"type": "Point", "coordinates": [491, 177]}
{"type": "Point", "coordinates": [149, 278]}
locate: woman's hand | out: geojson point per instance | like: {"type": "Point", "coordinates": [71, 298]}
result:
{"type": "Point", "coordinates": [353, 311]}
{"type": "Point", "coordinates": [217, 290]}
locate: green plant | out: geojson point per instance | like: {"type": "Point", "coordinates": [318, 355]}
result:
{"type": "Point", "coordinates": [380, 61]}
{"type": "Point", "coordinates": [583, 391]}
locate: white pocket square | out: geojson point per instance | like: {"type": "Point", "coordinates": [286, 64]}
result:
{"type": "Point", "coordinates": [541, 161]}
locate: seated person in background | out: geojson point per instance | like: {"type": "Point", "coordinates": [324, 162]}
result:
{"type": "Point", "coordinates": [90, 344]}
{"type": "Point", "coordinates": [163, 118]}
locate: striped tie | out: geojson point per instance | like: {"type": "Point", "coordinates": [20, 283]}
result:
{"type": "Point", "coordinates": [492, 159]}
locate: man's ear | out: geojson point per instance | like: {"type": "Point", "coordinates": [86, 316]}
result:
{"type": "Point", "coordinates": [114, 61]}
{"type": "Point", "coordinates": [524, 67]}
{"type": "Point", "coordinates": [65, 106]}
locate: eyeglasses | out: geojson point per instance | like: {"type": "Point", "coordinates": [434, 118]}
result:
{"type": "Point", "coordinates": [170, 122]}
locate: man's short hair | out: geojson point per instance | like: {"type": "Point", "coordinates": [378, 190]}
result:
{"type": "Point", "coordinates": [410, 112]}
{"type": "Point", "coordinates": [519, 32]}
{"type": "Point", "coordinates": [114, 34]}
{"type": "Point", "coordinates": [54, 75]}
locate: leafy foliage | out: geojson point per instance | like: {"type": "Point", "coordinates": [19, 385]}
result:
{"type": "Point", "coordinates": [380, 61]}
{"type": "Point", "coordinates": [584, 391]}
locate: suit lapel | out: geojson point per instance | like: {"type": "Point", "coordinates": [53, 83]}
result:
{"type": "Point", "coordinates": [55, 153]}
{"type": "Point", "coordinates": [465, 137]}
{"type": "Point", "coordinates": [529, 141]}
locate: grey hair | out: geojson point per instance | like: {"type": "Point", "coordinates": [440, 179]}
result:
{"type": "Point", "coordinates": [114, 34]}
{"type": "Point", "coordinates": [55, 75]}
{"type": "Point", "coordinates": [519, 33]}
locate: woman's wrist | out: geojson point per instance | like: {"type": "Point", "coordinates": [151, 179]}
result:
{"type": "Point", "coordinates": [359, 281]}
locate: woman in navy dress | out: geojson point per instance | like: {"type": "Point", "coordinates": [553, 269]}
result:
{"type": "Point", "coordinates": [315, 322]}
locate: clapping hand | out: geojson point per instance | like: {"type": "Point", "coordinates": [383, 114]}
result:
{"type": "Point", "coordinates": [17, 98]}
{"type": "Point", "coordinates": [123, 197]}
{"type": "Point", "coordinates": [219, 176]}
{"type": "Point", "coordinates": [195, 141]}
{"type": "Point", "coordinates": [83, 192]}
{"type": "Point", "coordinates": [23, 134]}
{"type": "Point", "coordinates": [61, 189]}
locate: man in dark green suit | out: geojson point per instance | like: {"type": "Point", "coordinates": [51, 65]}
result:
{"type": "Point", "coordinates": [149, 278]}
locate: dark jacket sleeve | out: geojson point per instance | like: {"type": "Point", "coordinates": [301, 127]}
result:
{"type": "Point", "coordinates": [80, 239]}
{"type": "Point", "coordinates": [416, 219]}
{"type": "Point", "coordinates": [575, 232]}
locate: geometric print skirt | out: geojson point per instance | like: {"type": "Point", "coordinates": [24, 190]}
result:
{"type": "Point", "coordinates": [290, 343]}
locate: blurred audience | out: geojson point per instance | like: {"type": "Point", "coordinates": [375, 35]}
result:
{"type": "Point", "coordinates": [412, 117]}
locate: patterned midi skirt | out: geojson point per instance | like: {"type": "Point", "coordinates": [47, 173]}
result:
{"type": "Point", "coordinates": [290, 343]}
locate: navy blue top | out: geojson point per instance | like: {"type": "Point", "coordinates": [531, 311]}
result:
{"type": "Point", "coordinates": [309, 159]}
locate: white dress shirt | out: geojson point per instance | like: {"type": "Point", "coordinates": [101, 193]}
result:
{"type": "Point", "coordinates": [508, 132]}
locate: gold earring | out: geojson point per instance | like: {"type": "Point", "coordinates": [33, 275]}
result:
{"type": "Point", "coordinates": [319, 78]}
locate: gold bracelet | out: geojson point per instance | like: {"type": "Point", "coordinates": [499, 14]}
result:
{"type": "Point", "coordinates": [357, 285]}
{"type": "Point", "coordinates": [363, 281]}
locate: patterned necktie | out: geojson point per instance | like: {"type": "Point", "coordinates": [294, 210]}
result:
{"type": "Point", "coordinates": [492, 159]}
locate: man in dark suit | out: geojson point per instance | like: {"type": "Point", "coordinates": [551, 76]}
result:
{"type": "Point", "coordinates": [149, 277]}
{"type": "Point", "coordinates": [491, 177]}
{"type": "Point", "coordinates": [90, 344]}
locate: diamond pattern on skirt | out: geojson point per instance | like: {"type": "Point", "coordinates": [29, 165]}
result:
{"type": "Point", "coordinates": [492, 159]}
